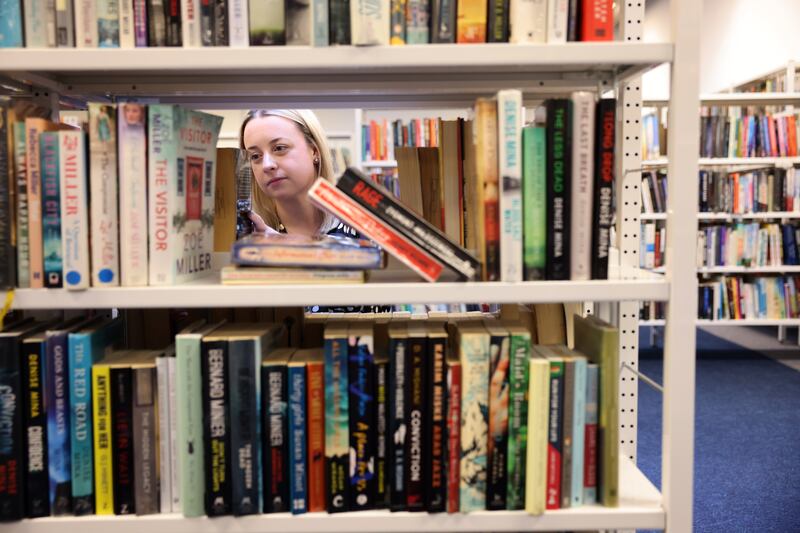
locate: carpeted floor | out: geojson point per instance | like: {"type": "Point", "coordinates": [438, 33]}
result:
{"type": "Point", "coordinates": [747, 436]}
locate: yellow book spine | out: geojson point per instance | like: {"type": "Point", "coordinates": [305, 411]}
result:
{"type": "Point", "coordinates": [536, 453]}
{"type": "Point", "coordinates": [101, 418]}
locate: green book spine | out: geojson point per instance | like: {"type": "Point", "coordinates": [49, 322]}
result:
{"type": "Point", "coordinates": [534, 193]}
{"type": "Point", "coordinates": [517, 418]}
{"type": "Point", "coordinates": [190, 424]}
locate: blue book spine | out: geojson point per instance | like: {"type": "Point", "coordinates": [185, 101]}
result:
{"type": "Point", "coordinates": [337, 436]}
{"type": "Point", "coordinates": [578, 430]}
{"type": "Point", "coordinates": [789, 245]}
{"type": "Point", "coordinates": [58, 423]}
{"type": "Point", "coordinates": [11, 24]}
{"type": "Point", "coordinates": [80, 401]}
{"type": "Point", "coordinates": [51, 210]}
{"type": "Point", "coordinates": [297, 439]}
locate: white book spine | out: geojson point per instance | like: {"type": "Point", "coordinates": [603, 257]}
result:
{"type": "Point", "coordinates": [103, 187]}
{"type": "Point", "coordinates": [160, 172]}
{"type": "Point", "coordinates": [190, 23]}
{"type": "Point", "coordinates": [509, 130]}
{"type": "Point", "coordinates": [581, 223]}
{"type": "Point", "coordinates": [86, 24]}
{"type": "Point", "coordinates": [35, 23]}
{"type": "Point", "coordinates": [370, 22]}
{"type": "Point", "coordinates": [557, 17]}
{"type": "Point", "coordinates": [238, 24]}
{"type": "Point", "coordinates": [74, 209]}
{"type": "Point", "coordinates": [126, 26]}
{"type": "Point", "coordinates": [133, 194]}
{"type": "Point", "coordinates": [164, 449]}
{"type": "Point", "coordinates": [174, 467]}
{"type": "Point", "coordinates": [528, 21]}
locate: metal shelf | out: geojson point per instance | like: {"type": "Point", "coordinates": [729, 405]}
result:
{"type": "Point", "coordinates": [730, 216]}
{"type": "Point", "coordinates": [730, 161]}
{"type": "Point", "coordinates": [734, 99]}
{"type": "Point", "coordinates": [727, 322]}
{"type": "Point", "coordinates": [780, 269]}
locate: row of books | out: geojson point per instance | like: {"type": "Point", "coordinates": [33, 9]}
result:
{"type": "Point", "coordinates": [128, 200]}
{"type": "Point", "coordinates": [379, 139]}
{"type": "Point", "coordinates": [746, 132]}
{"type": "Point", "coordinates": [766, 190]}
{"type": "Point", "coordinates": [652, 244]}
{"type": "Point", "coordinates": [753, 297]}
{"type": "Point", "coordinates": [748, 245]}
{"type": "Point", "coordinates": [654, 191]}
{"type": "Point", "coordinates": [416, 415]}
{"type": "Point", "coordinates": [239, 23]}
{"type": "Point", "coordinates": [654, 133]}
{"type": "Point", "coordinates": [652, 310]}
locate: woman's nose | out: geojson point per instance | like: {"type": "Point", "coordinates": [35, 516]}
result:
{"type": "Point", "coordinates": [267, 163]}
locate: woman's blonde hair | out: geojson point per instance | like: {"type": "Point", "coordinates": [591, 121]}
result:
{"type": "Point", "coordinates": [314, 134]}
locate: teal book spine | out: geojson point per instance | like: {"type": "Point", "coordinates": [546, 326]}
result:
{"type": "Point", "coordinates": [190, 424]}
{"type": "Point", "coordinates": [80, 394]}
{"type": "Point", "coordinates": [11, 24]}
{"type": "Point", "coordinates": [578, 429]}
{"type": "Point", "coordinates": [298, 476]}
{"type": "Point", "coordinates": [23, 244]}
{"type": "Point", "coordinates": [517, 419]}
{"type": "Point", "coordinates": [51, 210]}
{"type": "Point", "coordinates": [534, 202]}
{"type": "Point", "coordinates": [337, 434]}
{"type": "Point", "coordinates": [474, 420]}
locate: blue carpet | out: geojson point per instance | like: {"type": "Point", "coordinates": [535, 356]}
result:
{"type": "Point", "coordinates": [747, 438]}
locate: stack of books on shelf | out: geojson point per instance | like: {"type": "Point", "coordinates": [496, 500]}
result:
{"type": "Point", "coordinates": [419, 415]}
{"type": "Point", "coordinates": [748, 245]}
{"type": "Point", "coordinates": [753, 297]}
{"type": "Point", "coordinates": [760, 191]}
{"type": "Point", "coordinates": [127, 200]}
{"type": "Point", "coordinates": [242, 23]}
{"type": "Point", "coordinates": [379, 139]}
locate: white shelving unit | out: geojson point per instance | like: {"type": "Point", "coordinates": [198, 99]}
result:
{"type": "Point", "coordinates": [430, 76]}
{"type": "Point", "coordinates": [389, 163]}
{"type": "Point", "coordinates": [756, 162]}
{"type": "Point", "coordinates": [772, 215]}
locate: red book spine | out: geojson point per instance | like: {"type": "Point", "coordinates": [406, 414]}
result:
{"type": "Point", "coordinates": [328, 197]}
{"type": "Point", "coordinates": [590, 456]}
{"type": "Point", "coordinates": [316, 437]}
{"type": "Point", "coordinates": [597, 21]}
{"type": "Point", "coordinates": [773, 140]}
{"type": "Point", "coordinates": [453, 437]}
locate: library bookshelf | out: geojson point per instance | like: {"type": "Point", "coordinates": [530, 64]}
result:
{"type": "Point", "coordinates": [444, 76]}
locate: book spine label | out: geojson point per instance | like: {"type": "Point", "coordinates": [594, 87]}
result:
{"type": "Point", "coordinates": [298, 476]}
{"type": "Point", "coordinates": [164, 451]}
{"type": "Point", "coordinates": [85, 24]}
{"type": "Point", "coordinates": [21, 173]}
{"type": "Point", "coordinates": [534, 188]}
{"type": "Point", "coordinates": [216, 422]}
{"type": "Point", "coordinates": [555, 434]}
{"type": "Point", "coordinates": [590, 436]}
{"type": "Point", "coordinates": [34, 128]}
{"type": "Point", "coordinates": [602, 213]}
{"type": "Point", "coordinates": [36, 476]}
{"type": "Point", "coordinates": [497, 451]}
{"type": "Point", "coordinates": [579, 425]}
{"type": "Point", "coordinates": [189, 384]}
{"type": "Point", "coordinates": [122, 440]}
{"type": "Point", "coordinates": [488, 204]}
{"type": "Point", "coordinates": [140, 23]}
{"type": "Point", "coordinates": [58, 424]}
{"type": "Point", "coordinates": [398, 22]}
{"type": "Point", "coordinates": [74, 210]}
{"type": "Point", "coordinates": [453, 435]}
{"type": "Point", "coordinates": [316, 437]}
{"type": "Point", "coordinates": [107, 23]}
{"type": "Point", "coordinates": [435, 458]}
{"type": "Point", "coordinates": [537, 453]}
{"type": "Point", "coordinates": [474, 350]}
{"type": "Point", "coordinates": [397, 419]}
{"type": "Point", "coordinates": [242, 376]}
{"type": "Point", "coordinates": [127, 35]}
{"type": "Point", "coordinates": [557, 20]}
{"type": "Point", "coordinates": [581, 223]}
{"type": "Point", "coordinates": [415, 381]}
{"type": "Point", "coordinates": [11, 25]}
{"type": "Point", "coordinates": [381, 425]}
{"type": "Point", "coordinates": [558, 189]}
{"type": "Point", "coordinates": [238, 24]}
{"type": "Point", "coordinates": [80, 399]}
{"type": "Point", "coordinates": [144, 440]}
{"type": "Point", "coordinates": [472, 21]}
{"type": "Point", "coordinates": [370, 22]}
{"type": "Point", "coordinates": [51, 210]}
{"type": "Point", "coordinates": [132, 194]}
{"type": "Point", "coordinates": [12, 439]}
{"type": "Point", "coordinates": [567, 425]}
{"type": "Point", "coordinates": [519, 354]}
{"type": "Point", "coordinates": [103, 195]}
{"type": "Point", "coordinates": [103, 457]}
{"type": "Point", "coordinates": [276, 436]}
{"type": "Point", "coordinates": [509, 127]}
{"type": "Point", "coordinates": [361, 376]}
{"type": "Point", "coordinates": [190, 21]}
{"type": "Point", "coordinates": [337, 443]}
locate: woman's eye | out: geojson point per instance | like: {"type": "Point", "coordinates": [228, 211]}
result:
{"type": "Point", "coordinates": [280, 148]}
{"type": "Point", "coordinates": [255, 157]}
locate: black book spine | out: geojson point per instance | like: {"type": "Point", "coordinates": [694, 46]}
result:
{"type": "Point", "coordinates": [36, 475]}
{"type": "Point", "coordinates": [436, 430]}
{"type": "Point", "coordinates": [498, 21]}
{"type": "Point", "coordinates": [398, 403]}
{"type": "Point", "coordinates": [380, 203]}
{"type": "Point", "coordinates": [244, 427]}
{"type": "Point", "coordinates": [381, 425]}
{"type": "Point", "coordinates": [339, 11]}
{"type": "Point", "coordinates": [573, 21]}
{"type": "Point", "coordinates": [220, 23]}
{"type": "Point", "coordinates": [207, 25]}
{"type": "Point", "coordinates": [8, 255]}
{"type": "Point", "coordinates": [122, 440]}
{"type": "Point", "coordinates": [415, 469]}
{"type": "Point", "coordinates": [361, 374]}
{"type": "Point", "coordinates": [216, 428]}
{"type": "Point", "coordinates": [777, 189]}
{"type": "Point", "coordinates": [603, 211]}
{"type": "Point", "coordinates": [275, 399]}
{"type": "Point", "coordinates": [173, 17]}
{"type": "Point", "coordinates": [156, 23]}
{"type": "Point", "coordinates": [497, 468]}
{"type": "Point", "coordinates": [559, 158]}
{"type": "Point", "coordinates": [12, 459]}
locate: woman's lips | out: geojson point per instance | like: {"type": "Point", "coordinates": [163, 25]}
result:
{"type": "Point", "coordinates": [275, 181]}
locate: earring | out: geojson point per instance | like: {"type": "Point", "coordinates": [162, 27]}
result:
{"type": "Point", "coordinates": [316, 161]}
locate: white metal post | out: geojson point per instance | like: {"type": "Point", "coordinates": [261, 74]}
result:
{"type": "Point", "coordinates": [679, 335]}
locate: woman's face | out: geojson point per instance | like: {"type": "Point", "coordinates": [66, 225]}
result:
{"type": "Point", "coordinates": [281, 158]}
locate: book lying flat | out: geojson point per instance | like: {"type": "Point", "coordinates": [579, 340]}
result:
{"type": "Point", "coordinates": [246, 275]}
{"type": "Point", "coordinates": [326, 251]}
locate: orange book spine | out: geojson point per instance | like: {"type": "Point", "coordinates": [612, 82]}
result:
{"type": "Point", "coordinates": [316, 437]}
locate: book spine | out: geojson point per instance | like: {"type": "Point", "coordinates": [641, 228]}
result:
{"type": "Point", "coordinates": [239, 25]}
{"type": "Point", "coordinates": [161, 160]}
{"type": "Point", "coordinates": [339, 21]}
{"type": "Point", "coordinates": [519, 354]}
{"type": "Point", "coordinates": [567, 426]}
{"type": "Point", "coordinates": [298, 475]}
{"type": "Point", "coordinates": [173, 22]}
{"type": "Point", "coordinates": [175, 491]}
{"type": "Point", "coordinates": [321, 33]}
{"type": "Point", "coordinates": [328, 197]}
{"type": "Point", "coordinates": [579, 425]}
{"type": "Point", "coordinates": [557, 20]}
{"type": "Point", "coordinates": [243, 370]}
{"type": "Point", "coordinates": [417, 22]}
{"type": "Point", "coordinates": [337, 440]}
{"type": "Point", "coordinates": [217, 428]}
{"type": "Point", "coordinates": [12, 24]}
{"type": "Point", "coordinates": [415, 474]}
{"type": "Point", "coordinates": [398, 22]}
{"type": "Point", "coordinates": [534, 187]}
{"type": "Point", "coordinates": [453, 435]}
{"type": "Point", "coordinates": [58, 424]}
{"type": "Point", "coordinates": [21, 174]}
{"type": "Point", "coordinates": [80, 399]}
{"type": "Point", "coordinates": [36, 476]}
{"type": "Point", "coordinates": [316, 437]}
{"type": "Point", "coordinates": [122, 440]}
{"type": "Point", "coordinates": [206, 22]}
{"type": "Point", "coordinates": [361, 376]}
{"type": "Point", "coordinates": [435, 438]}
{"type": "Point", "coordinates": [65, 25]}
{"type": "Point", "coordinates": [381, 425]}
{"type": "Point", "coordinates": [509, 127]}
{"type": "Point", "coordinates": [558, 189]}
{"type": "Point", "coordinates": [51, 210]}
{"type": "Point", "coordinates": [189, 384]}
{"type": "Point", "coordinates": [537, 452]}
{"type": "Point", "coordinates": [164, 451]}
{"type": "Point", "coordinates": [497, 32]}
{"type": "Point", "coordinates": [488, 185]}
{"type": "Point", "coordinates": [497, 451]}
{"type": "Point", "coordinates": [12, 435]}
{"type": "Point", "coordinates": [103, 195]}
{"type": "Point", "coordinates": [384, 207]}
{"type": "Point", "coordinates": [34, 129]}
{"type": "Point", "coordinates": [590, 448]}
{"type": "Point", "coordinates": [35, 17]}
{"type": "Point", "coordinates": [397, 418]}
{"type": "Point", "coordinates": [555, 435]}
{"type": "Point", "coordinates": [156, 23]}
{"type": "Point", "coordinates": [145, 478]}
{"type": "Point", "coordinates": [444, 21]}
{"type": "Point", "coordinates": [597, 20]}
{"type": "Point", "coordinates": [132, 194]}
{"type": "Point", "coordinates": [581, 222]}
{"type": "Point", "coordinates": [602, 215]}
{"type": "Point", "coordinates": [474, 421]}
{"type": "Point", "coordinates": [127, 30]}
{"type": "Point", "coordinates": [472, 21]}
{"type": "Point", "coordinates": [221, 31]}
{"type": "Point", "coordinates": [74, 209]}
{"type": "Point", "coordinates": [276, 436]}
{"type": "Point", "coordinates": [107, 23]}
{"type": "Point", "coordinates": [103, 457]}
{"type": "Point", "coordinates": [140, 23]}
{"type": "Point", "coordinates": [190, 24]}
{"type": "Point", "coordinates": [529, 23]}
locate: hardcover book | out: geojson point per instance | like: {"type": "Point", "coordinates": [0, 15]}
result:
{"type": "Point", "coordinates": [325, 251]}
{"type": "Point", "coordinates": [103, 185]}
{"type": "Point", "coordinates": [337, 429]}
